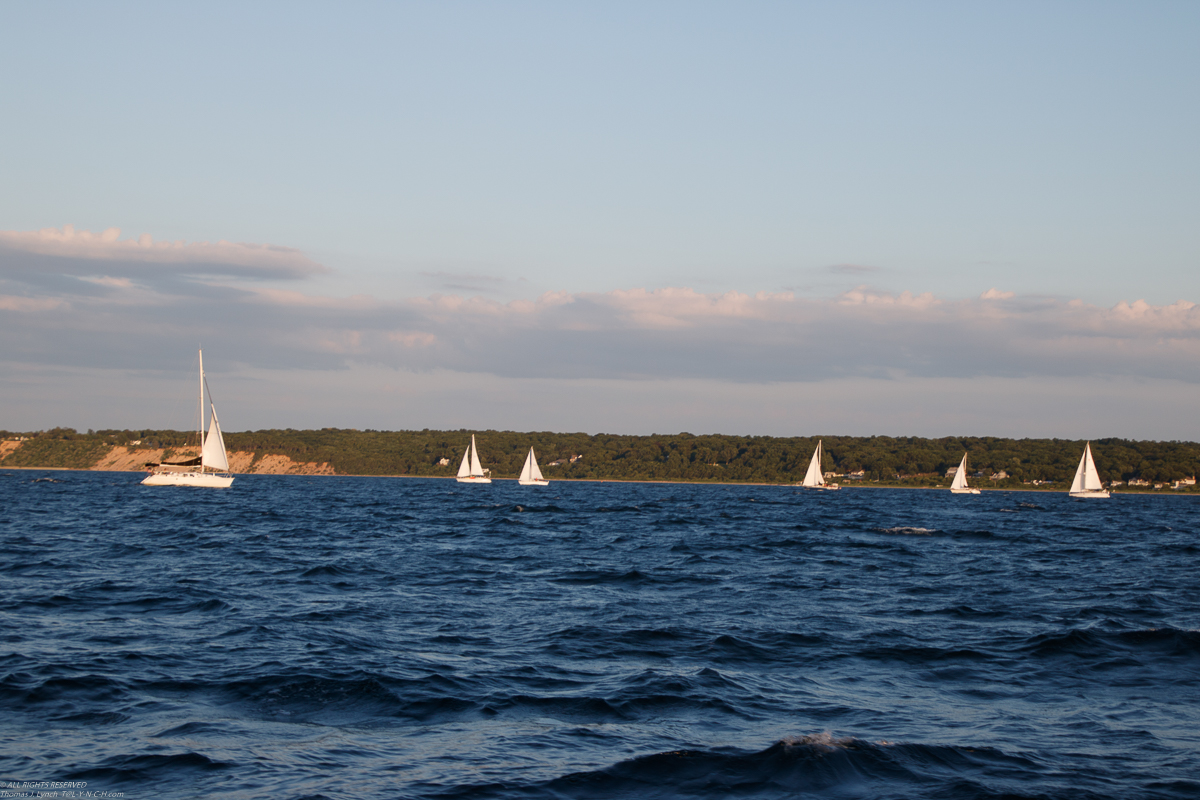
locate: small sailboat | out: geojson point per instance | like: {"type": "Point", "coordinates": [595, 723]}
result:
{"type": "Point", "coordinates": [1087, 482]}
{"type": "Point", "coordinates": [213, 462]}
{"type": "Point", "coordinates": [815, 478]}
{"type": "Point", "coordinates": [471, 471]}
{"type": "Point", "coordinates": [530, 474]}
{"type": "Point", "coordinates": [959, 484]}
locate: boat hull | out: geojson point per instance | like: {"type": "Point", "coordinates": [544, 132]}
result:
{"type": "Point", "coordinates": [534, 483]}
{"type": "Point", "coordinates": [205, 480]}
{"type": "Point", "coordinates": [473, 479]}
{"type": "Point", "coordinates": [829, 487]}
{"type": "Point", "coordinates": [964, 491]}
{"type": "Point", "coordinates": [1090, 495]}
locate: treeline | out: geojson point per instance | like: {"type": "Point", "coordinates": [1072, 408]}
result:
{"type": "Point", "coordinates": [764, 459]}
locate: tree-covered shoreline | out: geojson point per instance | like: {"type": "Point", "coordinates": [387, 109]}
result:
{"type": "Point", "coordinates": [877, 460]}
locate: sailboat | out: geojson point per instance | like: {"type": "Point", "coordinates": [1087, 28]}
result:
{"type": "Point", "coordinates": [471, 471]}
{"type": "Point", "coordinates": [1087, 482]}
{"type": "Point", "coordinates": [815, 478]}
{"type": "Point", "coordinates": [213, 462]}
{"type": "Point", "coordinates": [959, 484]}
{"type": "Point", "coordinates": [530, 474]}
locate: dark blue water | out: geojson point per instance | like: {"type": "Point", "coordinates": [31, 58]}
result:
{"type": "Point", "coordinates": [385, 638]}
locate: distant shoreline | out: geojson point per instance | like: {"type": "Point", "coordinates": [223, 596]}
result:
{"type": "Point", "coordinates": [874, 462]}
{"type": "Point", "coordinates": [989, 490]}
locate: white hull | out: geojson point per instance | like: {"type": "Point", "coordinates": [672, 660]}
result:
{"type": "Point", "coordinates": [1097, 494]}
{"type": "Point", "coordinates": [208, 480]}
{"type": "Point", "coordinates": [473, 479]}
{"type": "Point", "coordinates": [534, 483]}
{"type": "Point", "coordinates": [964, 491]}
{"type": "Point", "coordinates": [827, 487]}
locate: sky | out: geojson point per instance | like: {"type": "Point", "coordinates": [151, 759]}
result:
{"type": "Point", "coordinates": [790, 218]}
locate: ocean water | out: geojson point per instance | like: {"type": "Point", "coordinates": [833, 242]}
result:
{"type": "Point", "coordinates": [390, 638]}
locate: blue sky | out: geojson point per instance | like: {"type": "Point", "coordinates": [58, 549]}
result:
{"type": "Point", "coordinates": [649, 217]}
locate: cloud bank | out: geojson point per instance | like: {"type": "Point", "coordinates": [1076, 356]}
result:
{"type": "Point", "coordinates": [72, 252]}
{"type": "Point", "coordinates": [97, 299]}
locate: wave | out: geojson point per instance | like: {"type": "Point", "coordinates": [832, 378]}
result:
{"type": "Point", "coordinates": [808, 766]}
{"type": "Point", "coordinates": [1091, 643]}
{"type": "Point", "coordinates": [24, 688]}
{"type": "Point", "coordinates": [137, 769]}
{"type": "Point", "coordinates": [591, 577]}
{"type": "Point", "coordinates": [905, 530]}
{"type": "Point", "coordinates": [549, 509]}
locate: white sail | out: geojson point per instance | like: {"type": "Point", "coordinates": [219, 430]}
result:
{"type": "Point", "coordinates": [1091, 478]}
{"type": "Point", "coordinates": [212, 454]}
{"type": "Point", "coordinates": [814, 477]}
{"type": "Point", "coordinates": [1077, 484]}
{"type": "Point", "coordinates": [530, 474]}
{"type": "Point", "coordinates": [959, 484]}
{"type": "Point", "coordinates": [464, 469]}
{"type": "Point", "coordinates": [1087, 481]}
{"type": "Point", "coordinates": [476, 467]}
{"type": "Point", "coordinates": [960, 477]}
{"type": "Point", "coordinates": [1086, 478]}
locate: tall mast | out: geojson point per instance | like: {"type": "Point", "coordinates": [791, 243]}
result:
{"type": "Point", "coordinates": [201, 410]}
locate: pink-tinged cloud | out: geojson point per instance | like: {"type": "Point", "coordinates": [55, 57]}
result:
{"type": "Point", "coordinates": [29, 305]}
{"type": "Point", "coordinates": [636, 333]}
{"type": "Point", "coordinates": [865, 296]}
{"type": "Point", "coordinates": [107, 251]}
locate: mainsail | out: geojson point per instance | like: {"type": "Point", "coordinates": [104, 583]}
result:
{"type": "Point", "coordinates": [960, 477]}
{"type": "Point", "coordinates": [476, 467]}
{"type": "Point", "coordinates": [814, 476]}
{"type": "Point", "coordinates": [1086, 479]}
{"type": "Point", "coordinates": [530, 472]}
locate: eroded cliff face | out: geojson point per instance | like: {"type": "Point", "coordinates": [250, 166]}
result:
{"type": "Point", "coordinates": [134, 459]}
{"type": "Point", "coordinates": [244, 462]}
{"type": "Point", "coordinates": [125, 459]}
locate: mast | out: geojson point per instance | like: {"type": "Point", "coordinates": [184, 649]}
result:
{"type": "Point", "coordinates": [201, 431]}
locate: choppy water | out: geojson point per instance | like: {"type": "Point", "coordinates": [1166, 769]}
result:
{"type": "Point", "coordinates": [386, 638]}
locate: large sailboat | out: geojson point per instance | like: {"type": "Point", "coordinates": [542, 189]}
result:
{"type": "Point", "coordinates": [1087, 482]}
{"type": "Point", "coordinates": [530, 474]}
{"type": "Point", "coordinates": [959, 484]}
{"type": "Point", "coordinates": [815, 478]}
{"type": "Point", "coordinates": [212, 463]}
{"type": "Point", "coordinates": [471, 471]}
